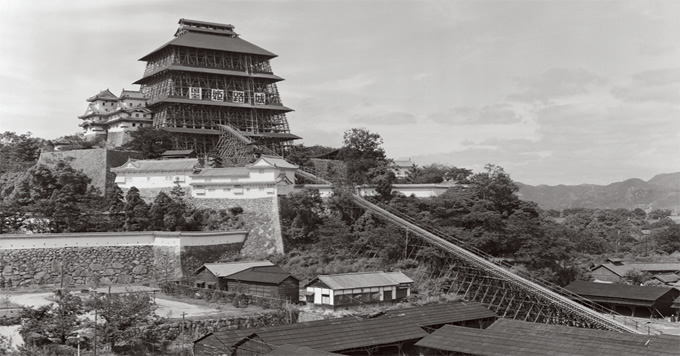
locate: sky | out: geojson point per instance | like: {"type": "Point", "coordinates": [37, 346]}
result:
{"type": "Point", "coordinates": [555, 92]}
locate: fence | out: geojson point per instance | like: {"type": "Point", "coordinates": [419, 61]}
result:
{"type": "Point", "coordinates": [239, 300]}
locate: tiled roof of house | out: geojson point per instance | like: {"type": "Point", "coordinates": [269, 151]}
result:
{"type": "Point", "coordinates": [276, 161]}
{"type": "Point", "coordinates": [622, 293]}
{"type": "Point", "coordinates": [362, 280]}
{"type": "Point", "coordinates": [622, 269]}
{"type": "Point", "coordinates": [174, 165]}
{"type": "Point", "coordinates": [668, 278]}
{"type": "Point", "coordinates": [103, 95]}
{"type": "Point", "coordinates": [333, 335]}
{"type": "Point", "coordinates": [213, 42]}
{"type": "Point", "coordinates": [224, 172]}
{"type": "Point", "coordinates": [511, 341]}
{"type": "Point", "coordinates": [229, 268]}
{"type": "Point", "coordinates": [438, 314]}
{"type": "Point", "coordinates": [272, 275]}
{"type": "Point", "coordinates": [288, 350]}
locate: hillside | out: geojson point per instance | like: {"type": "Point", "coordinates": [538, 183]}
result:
{"type": "Point", "coordinates": [660, 192]}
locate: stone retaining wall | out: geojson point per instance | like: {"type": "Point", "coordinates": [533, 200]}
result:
{"type": "Point", "coordinates": [195, 329]}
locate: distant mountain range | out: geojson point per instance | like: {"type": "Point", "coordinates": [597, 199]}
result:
{"type": "Point", "coordinates": [660, 192]}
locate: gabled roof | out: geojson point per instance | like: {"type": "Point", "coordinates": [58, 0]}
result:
{"type": "Point", "coordinates": [229, 268]}
{"type": "Point", "coordinates": [501, 341]}
{"type": "Point", "coordinates": [438, 314]}
{"type": "Point", "coordinates": [224, 172]}
{"type": "Point", "coordinates": [622, 269]}
{"type": "Point", "coordinates": [214, 42]}
{"type": "Point", "coordinates": [668, 278]}
{"type": "Point", "coordinates": [288, 350]}
{"type": "Point", "coordinates": [177, 152]}
{"type": "Point", "coordinates": [132, 94]}
{"type": "Point", "coordinates": [275, 161]}
{"type": "Point", "coordinates": [604, 292]}
{"type": "Point", "coordinates": [174, 165]}
{"type": "Point", "coordinates": [333, 335]}
{"type": "Point", "coordinates": [361, 280]}
{"type": "Point", "coordinates": [103, 95]}
{"type": "Point", "coordinates": [273, 275]}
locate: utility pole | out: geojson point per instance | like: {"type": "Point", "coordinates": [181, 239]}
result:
{"type": "Point", "coordinates": [182, 330]}
{"type": "Point", "coordinates": [95, 330]}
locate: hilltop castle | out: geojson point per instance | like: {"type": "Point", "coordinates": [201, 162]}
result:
{"type": "Point", "coordinates": [213, 90]}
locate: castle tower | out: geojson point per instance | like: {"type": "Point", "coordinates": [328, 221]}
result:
{"type": "Point", "coordinates": [208, 79]}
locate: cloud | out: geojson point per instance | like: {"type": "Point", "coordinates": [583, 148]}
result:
{"type": "Point", "coordinates": [497, 114]}
{"type": "Point", "coordinates": [555, 83]}
{"type": "Point", "coordinates": [660, 86]}
{"type": "Point", "coordinates": [387, 118]}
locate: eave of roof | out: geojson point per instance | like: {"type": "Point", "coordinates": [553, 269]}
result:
{"type": "Point", "coordinates": [274, 136]}
{"type": "Point", "coordinates": [182, 100]}
{"type": "Point", "coordinates": [619, 293]}
{"type": "Point", "coordinates": [214, 42]}
{"type": "Point", "coordinates": [235, 73]}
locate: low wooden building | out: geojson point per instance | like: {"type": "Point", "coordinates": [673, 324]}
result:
{"type": "Point", "coordinates": [352, 289]}
{"type": "Point", "coordinates": [393, 333]}
{"type": "Point", "coordinates": [257, 278]}
{"type": "Point", "coordinates": [613, 270]}
{"type": "Point", "coordinates": [520, 338]}
{"type": "Point", "coordinates": [642, 301]}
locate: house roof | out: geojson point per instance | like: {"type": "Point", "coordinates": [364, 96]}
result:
{"type": "Point", "coordinates": [509, 341]}
{"type": "Point", "coordinates": [668, 278]}
{"type": "Point", "coordinates": [438, 314]}
{"type": "Point", "coordinates": [622, 293]}
{"type": "Point", "coordinates": [229, 268]}
{"type": "Point", "coordinates": [288, 349]}
{"type": "Point", "coordinates": [132, 94]}
{"type": "Point", "coordinates": [177, 152]}
{"type": "Point", "coordinates": [333, 335]}
{"type": "Point", "coordinates": [214, 42]}
{"type": "Point", "coordinates": [273, 275]}
{"type": "Point", "coordinates": [175, 67]}
{"type": "Point", "coordinates": [362, 280]}
{"type": "Point", "coordinates": [275, 161]}
{"type": "Point", "coordinates": [622, 269]}
{"type": "Point", "coordinates": [174, 165]}
{"type": "Point", "coordinates": [224, 172]}
{"type": "Point", "coordinates": [103, 95]}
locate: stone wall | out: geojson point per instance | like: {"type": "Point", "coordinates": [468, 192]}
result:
{"type": "Point", "coordinates": [194, 329]}
{"type": "Point", "coordinates": [110, 258]}
{"type": "Point", "coordinates": [78, 265]}
{"type": "Point", "coordinates": [96, 163]}
{"type": "Point", "coordinates": [261, 217]}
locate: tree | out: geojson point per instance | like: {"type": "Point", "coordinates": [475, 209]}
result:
{"type": "Point", "coordinates": [383, 178]}
{"type": "Point", "coordinates": [158, 210]}
{"type": "Point", "coordinates": [362, 152]}
{"type": "Point", "coordinates": [668, 239]}
{"type": "Point", "coordinates": [136, 211]}
{"type": "Point", "coordinates": [636, 277]}
{"type": "Point", "coordinates": [151, 142]}
{"type": "Point", "coordinates": [659, 214]}
{"type": "Point", "coordinates": [18, 152]}
{"type": "Point", "coordinates": [126, 318]}
{"type": "Point", "coordinates": [55, 321]}
{"type": "Point", "coordinates": [301, 217]}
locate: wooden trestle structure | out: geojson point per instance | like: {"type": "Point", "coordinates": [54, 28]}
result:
{"type": "Point", "coordinates": [207, 76]}
{"type": "Point", "coordinates": [477, 276]}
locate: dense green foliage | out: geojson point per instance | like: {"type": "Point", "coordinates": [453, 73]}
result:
{"type": "Point", "coordinates": [58, 199]}
{"type": "Point", "coordinates": [18, 152]}
{"type": "Point", "coordinates": [151, 142]}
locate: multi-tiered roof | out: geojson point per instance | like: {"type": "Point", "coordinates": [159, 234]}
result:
{"type": "Point", "coordinates": [110, 116]}
{"type": "Point", "coordinates": [207, 78]}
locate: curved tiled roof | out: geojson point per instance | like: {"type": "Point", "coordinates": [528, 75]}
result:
{"type": "Point", "coordinates": [171, 165]}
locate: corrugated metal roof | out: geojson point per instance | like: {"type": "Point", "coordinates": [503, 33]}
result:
{"type": "Point", "coordinates": [214, 42]}
{"type": "Point", "coordinates": [524, 342]}
{"type": "Point", "coordinates": [174, 165]}
{"type": "Point", "coordinates": [438, 314]}
{"type": "Point", "coordinates": [224, 172]}
{"type": "Point", "coordinates": [620, 292]}
{"type": "Point", "coordinates": [362, 280]}
{"type": "Point", "coordinates": [227, 269]}
{"type": "Point", "coordinates": [177, 152]}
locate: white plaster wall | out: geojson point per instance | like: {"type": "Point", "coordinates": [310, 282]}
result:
{"type": "Point", "coordinates": [152, 180]}
{"type": "Point", "coordinates": [171, 239]}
